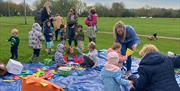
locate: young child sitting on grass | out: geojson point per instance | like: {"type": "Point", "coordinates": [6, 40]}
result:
{"type": "Point", "coordinates": [90, 59]}
{"type": "Point", "coordinates": [14, 39]}
{"type": "Point", "coordinates": [111, 74]}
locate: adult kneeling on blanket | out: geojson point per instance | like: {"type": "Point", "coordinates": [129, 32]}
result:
{"type": "Point", "coordinates": [156, 71]}
{"type": "Point", "coordinates": [127, 37]}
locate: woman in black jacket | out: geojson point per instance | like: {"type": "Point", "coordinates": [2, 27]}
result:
{"type": "Point", "coordinates": [156, 71]}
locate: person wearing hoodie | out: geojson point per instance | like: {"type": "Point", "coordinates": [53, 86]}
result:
{"type": "Point", "coordinates": [59, 58]}
{"type": "Point", "coordinates": [156, 71]}
{"type": "Point", "coordinates": [35, 40]}
{"type": "Point", "coordinates": [111, 74]}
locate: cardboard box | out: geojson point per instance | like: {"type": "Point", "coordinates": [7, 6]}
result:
{"type": "Point", "coordinates": [31, 83]}
{"type": "Point", "coordinates": [14, 67]}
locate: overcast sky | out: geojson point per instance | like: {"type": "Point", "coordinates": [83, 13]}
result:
{"type": "Point", "coordinates": [175, 4]}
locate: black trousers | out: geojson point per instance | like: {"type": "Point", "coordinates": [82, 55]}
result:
{"type": "Point", "coordinates": [14, 52]}
{"type": "Point", "coordinates": [36, 52]}
{"type": "Point", "coordinates": [92, 39]}
{"type": "Point", "coordinates": [71, 35]}
{"type": "Point", "coordinates": [87, 62]}
{"type": "Point", "coordinates": [57, 33]}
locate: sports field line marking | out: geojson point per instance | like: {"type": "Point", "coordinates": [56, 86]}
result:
{"type": "Point", "coordinates": [162, 37]}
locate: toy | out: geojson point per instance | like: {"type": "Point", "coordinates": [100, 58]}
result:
{"type": "Point", "coordinates": [49, 75]}
{"type": "Point", "coordinates": [129, 52]}
{"type": "Point", "coordinates": [8, 80]}
{"type": "Point", "coordinates": [26, 73]}
{"type": "Point", "coordinates": [39, 73]}
{"type": "Point", "coordinates": [14, 67]}
{"type": "Point", "coordinates": [3, 70]}
{"type": "Point", "coordinates": [48, 61]}
{"type": "Point", "coordinates": [16, 78]}
{"type": "Point", "coordinates": [64, 71]}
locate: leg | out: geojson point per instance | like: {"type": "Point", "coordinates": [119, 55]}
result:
{"type": "Point", "coordinates": [56, 34]}
{"type": "Point", "coordinates": [16, 52]}
{"type": "Point", "coordinates": [123, 52]}
{"type": "Point", "coordinates": [94, 40]}
{"type": "Point", "coordinates": [90, 39]}
{"type": "Point", "coordinates": [12, 54]}
{"type": "Point", "coordinates": [70, 37]}
{"type": "Point", "coordinates": [75, 42]}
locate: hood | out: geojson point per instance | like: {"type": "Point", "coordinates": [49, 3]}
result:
{"type": "Point", "coordinates": [154, 58]}
{"type": "Point", "coordinates": [36, 27]}
{"type": "Point", "coordinates": [60, 47]}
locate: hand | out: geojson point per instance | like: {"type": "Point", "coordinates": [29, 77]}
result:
{"type": "Point", "coordinates": [123, 58]}
{"type": "Point", "coordinates": [134, 47]}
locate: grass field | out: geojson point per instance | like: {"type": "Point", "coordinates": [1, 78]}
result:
{"type": "Point", "coordinates": [169, 27]}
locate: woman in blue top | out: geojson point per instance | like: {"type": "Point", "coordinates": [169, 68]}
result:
{"type": "Point", "coordinates": [127, 37]}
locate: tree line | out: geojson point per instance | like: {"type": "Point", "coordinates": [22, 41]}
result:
{"type": "Point", "coordinates": [62, 7]}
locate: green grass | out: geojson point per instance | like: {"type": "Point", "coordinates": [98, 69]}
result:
{"type": "Point", "coordinates": [169, 27]}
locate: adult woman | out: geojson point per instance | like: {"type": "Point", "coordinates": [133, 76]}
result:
{"type": "Point", "coordinates": [127, 37]}
{"type": "Point", "coordinates": [156, 71]}
{"type": "Point", "coordinates": [72, 22]}
{"type": "Point", "coordinates": [91, 22]}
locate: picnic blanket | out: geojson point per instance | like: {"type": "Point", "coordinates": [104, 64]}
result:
{"type": "Point", "coordinates": [90, 79]}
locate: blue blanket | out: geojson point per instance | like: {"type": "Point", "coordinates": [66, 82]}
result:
{"type": "Point", "coordinates": [88, 81]}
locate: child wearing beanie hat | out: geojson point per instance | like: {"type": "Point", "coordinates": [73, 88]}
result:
{"type": "Point", "coordinates": [111, 74]}
{"type": "Point", "coordinates": [59, 59]}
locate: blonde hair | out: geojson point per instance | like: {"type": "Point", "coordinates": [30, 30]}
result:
{"type": "Point", "coordinates": [92, 45]}
{"type": "Point", "coordinates": [14, 31]}
{"type": "Point", "coordinates": [148, 48]}
{"type": "Point", "coordinates": [47, 5]}
{"type": "Point", "coordinates": [117, 25]}
{"type": "Point", "coordinates": [116, 46]}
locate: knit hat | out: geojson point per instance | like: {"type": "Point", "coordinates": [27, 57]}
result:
{"type": "Point", "coordinates": [60, 47]}
{"type": "Point", "coordinates": [112, 63]}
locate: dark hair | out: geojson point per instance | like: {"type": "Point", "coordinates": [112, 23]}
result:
{"type": "Point", "coordinates": [93, 11]}
{"type": "Point", "coordinates": [62, 26]}
{"type": "Point", "coordinates": [80, 26]}
{"type": "Point", "coordinates": [74, 11]}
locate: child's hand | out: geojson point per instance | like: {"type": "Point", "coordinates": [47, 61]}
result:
{"type": "Point", "coordinates": [123, 58]}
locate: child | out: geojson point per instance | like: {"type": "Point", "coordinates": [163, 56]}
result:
{"type": "Point", "coordinates": [48, 34]}
{"type": "Point", "coordinates": [91, 21]}
{"type": "Point", "coordinates": [59, 54]}
{"type": "Point", "coordinates": [111, 74]}
{"type": "Point", "coordinates": [35, 40]}
{"type": "Point", "coordinates": [63, 34]}
{"type": "Point", "coordinates": [90, 59]}
{"type": "Point", "coordinates": [117, 48]}
{"type": "Point", "coordinates": [14, 39]}
{"type": "Point", "coordinates": [79, 36]}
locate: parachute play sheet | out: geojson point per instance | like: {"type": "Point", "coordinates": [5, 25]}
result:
{"type": "Point", "coordinates": [88, 80]}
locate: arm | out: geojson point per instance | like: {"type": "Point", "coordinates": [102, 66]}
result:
{"type": "Point", "coordinates": [176, 61]}
{"type": "Point", "coordinates": [134, 37]}
{"type": "Point", "coordinates": [120, 80]}
{"type": "Point", "coordinates": [142, 82]}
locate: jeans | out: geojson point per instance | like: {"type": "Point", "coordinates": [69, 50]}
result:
{"type": "Point", "coordinates": [71, 34]}
{"type": "Point", "coordinates": [123, 52]}
{"type": "Point", "coordinates": [56, 34]}
{"type": "Point", "coordinates": [14, 52]}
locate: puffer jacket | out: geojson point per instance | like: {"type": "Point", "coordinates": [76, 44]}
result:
{"type": "Point", "coordinates": [35, 37]}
